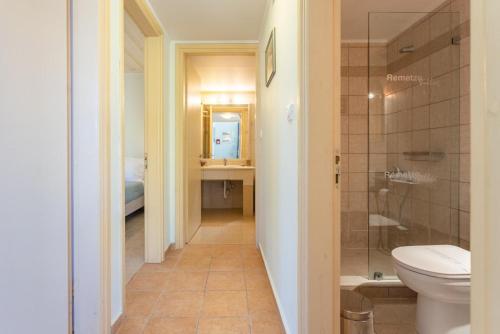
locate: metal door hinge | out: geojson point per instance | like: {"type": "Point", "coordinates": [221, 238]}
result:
{"type": "Point", "coordinates": [145, 161]}
{"type": "Point", "coordinates": [337, 169]}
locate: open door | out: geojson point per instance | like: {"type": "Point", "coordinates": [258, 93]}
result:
{"type": "Point", "coordinates": [154, 67]}
{"type": "Point", "coordinates": [194, 144]}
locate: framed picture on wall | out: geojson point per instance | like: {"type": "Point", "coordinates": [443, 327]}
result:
{"type": "Point", "coordinates": [271, 58]}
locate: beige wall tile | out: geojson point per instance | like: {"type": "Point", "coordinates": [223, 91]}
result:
{"type": "Point", "coordinates": [378, 162]}
{"type": "Point", "coordinates": [358, 105]}
{"type": "Point", "coordinates": [358, 182]}
{"type": "Point", "coordinates": [464, 81]}
{"type": "Point", "coordinates": [358, 163]}
{"type": "Point", "coordinates": [444, 60]}
{"type": "Point", "coordinates": [344, 105]}
{"type": "Point", "coordinates": [463, 7]}
{"type": "Point", "coordinates": [464, 225]}
{"type": "Point", "coordinates": [420, 118]}
{"type": "Point", "coordinates": [344, 86]}
{"type": "Point", "coordinates": [421, 34]}
{"type": "Point", "coordinates": [465, 196]}
{"type": "Point", "coordinates": [420, 96]}
{"type": "Point", "coordinates": [465, 139]}
{"type": "Point", "coordinates": [420, 140]}
{"type": "Point", "coordinates": [358, 124]}
{"type": "Point", "coordinates": [440, 23]}
{"type": "Point", "coordinates": [378, 143]}
{"type": "Point", "coordinates": [445, 139]}
{"type": "Point", "coordinates": [344, 57]}
{"type": "Point", "coordinates": [376, 105]}
{"type": "Point", "coordinates": [358, 201]}
{"type": "Point", "coordinates": [445, 113]}
{"type": "Point", "coordinates": [465, 109]}
{"type": "Point", "coordinates": [358, 86]}
{"type": "Point", "coordinates": [465, 167]}
{"type": "Point", "coordinates": [404, 119]}
{"type": "Point", "coordinates": [358, 144]}
{"type": "Point", "coordinates": [358, 57]}
{"type": "Point", "coordinates": [358, 221]}
{"type": "Point", "coordinates": [344, 145]}
{"type": "Point", "coordinates": [465, 52]}
{"type": "Point", "coordinates": [378, 56]}
{"type": "Point", "coordinates": [344, 124]}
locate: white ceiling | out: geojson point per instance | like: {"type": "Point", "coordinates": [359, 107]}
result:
{"type": "Point", "coordinates": [225, 73]}
{"type": "Point", "coordinates": [355, 17]}
{"type": "Point", "coordinates": [210, 20]}
{"type": "Point", "coordinates": [134, 47]}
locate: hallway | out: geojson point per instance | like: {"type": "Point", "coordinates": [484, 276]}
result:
{"type": "Point", "coordinates": [217, 284]}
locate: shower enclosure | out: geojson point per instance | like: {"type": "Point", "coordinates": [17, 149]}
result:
{"type": "Point", "coordinates": [406, 181]}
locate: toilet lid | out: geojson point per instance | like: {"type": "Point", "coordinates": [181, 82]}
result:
{"type": "Point", "coordinates": [444, 261]}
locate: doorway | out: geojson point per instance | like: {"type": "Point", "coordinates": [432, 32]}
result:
{"type": "Point", "coordinates": [220, 146]}
{"type": "Point", "coordinates": [216, 159]}
{"type": "Point", "coordinates": [134, 148]}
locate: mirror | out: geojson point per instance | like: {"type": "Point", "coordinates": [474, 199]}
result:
{"type": "Point", "coordinates": [225, 132]}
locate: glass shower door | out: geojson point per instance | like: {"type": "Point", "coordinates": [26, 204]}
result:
{"type": "Point", "coordinates": [414, 133]}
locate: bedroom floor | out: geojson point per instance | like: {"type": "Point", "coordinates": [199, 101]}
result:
{"type": "Point", "coordinates": [216, 284]}
{"type": "Point", "coordinates": [134, 243]}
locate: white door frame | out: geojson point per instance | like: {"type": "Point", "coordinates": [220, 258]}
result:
{"type": "Point", "coordinates": [319, 142]}
{"type": "Point", "coordinates": [181, 184]}
{"type": "Point", "coordinates": [485, 167]}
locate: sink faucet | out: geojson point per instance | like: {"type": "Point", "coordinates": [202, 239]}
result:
{"type": "Point", "coordinates": [225, 162]}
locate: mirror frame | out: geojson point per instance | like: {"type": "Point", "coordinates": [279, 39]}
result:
{"type": "Point", "coordinates": [244, 110]}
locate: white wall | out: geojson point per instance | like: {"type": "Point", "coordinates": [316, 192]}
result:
{"type": "Point", "coordinates": [89, 293]}
{"type": "Point", "coordinates": [134, 115]}
{"type": "Point", "coordinates": [34, 201]}
{"type": "Point", "coordinates": [277, 159]}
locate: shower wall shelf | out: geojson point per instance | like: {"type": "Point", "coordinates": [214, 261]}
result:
{"type": "Point", "coordinates": [424, 156]}
{"type": "Point", "coordinates": [402, 181]}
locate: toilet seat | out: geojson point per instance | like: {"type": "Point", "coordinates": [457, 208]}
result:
{"type": "Point", "coordinates": [441, 261]}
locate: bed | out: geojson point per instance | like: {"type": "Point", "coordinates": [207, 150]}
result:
{"type": "Point", "coordinates": [134, 196]}
{"type": "Point", "coordinates": [134, 185]}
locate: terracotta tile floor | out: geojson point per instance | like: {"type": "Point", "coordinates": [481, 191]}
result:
{"type": "Point", "coordinates": [225, 227]}
{"type": "Point", "coordinates": [213, 288]}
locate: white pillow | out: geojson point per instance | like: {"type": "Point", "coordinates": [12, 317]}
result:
{"type": "Point", "coordinates": [134, 169]}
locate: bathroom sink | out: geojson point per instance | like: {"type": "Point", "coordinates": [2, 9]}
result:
{"type": "Point", "coordinates": [228, 167]}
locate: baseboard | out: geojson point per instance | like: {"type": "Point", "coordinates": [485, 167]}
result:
{"type": "Point", "coordinates": [273, 287]}
{"type": "Point", "coordinates": [116, 326]}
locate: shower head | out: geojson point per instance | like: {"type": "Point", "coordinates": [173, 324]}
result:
{"type": "Point", "coordinates": [407, 49]}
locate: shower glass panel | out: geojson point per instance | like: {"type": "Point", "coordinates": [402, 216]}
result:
{"type": "Point", "coordinates": [413, 134]}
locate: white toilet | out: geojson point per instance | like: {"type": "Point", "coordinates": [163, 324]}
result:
{"type": "Point", "coordinates": [441, 277]}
